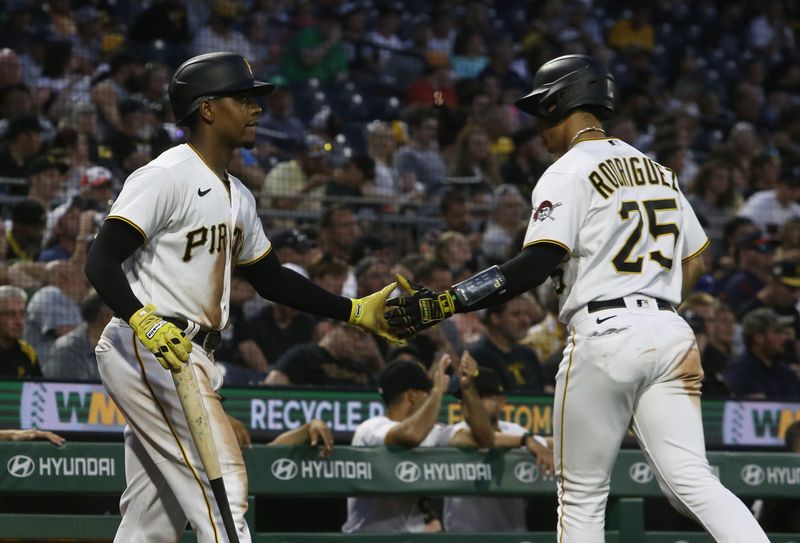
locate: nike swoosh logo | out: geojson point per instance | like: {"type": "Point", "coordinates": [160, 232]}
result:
{"type": "Point", "coordinates": [601, 321]}
{"type": "Point", "coordinates": [202, 193]}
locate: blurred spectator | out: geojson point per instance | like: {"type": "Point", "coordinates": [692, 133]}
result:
{"type": "Point", "coordinates": [277, 329]}
{"type": "Point", "coordinates": [781, 294]}
{"type": "Point", "coordinates": [25, 231]}
{"type": "Point", "coordinates": [330, 274]}
{"type": "Point", "coordinates": [789, 241]}
{"type": "Point", "coordinates": [376, 245]}
{"type": "Point", "coordinates": [714, 198]}
{"type": "Point", "coordinates": [220, 33]}
{"type": "Point", "coordinates": [753, 260]}
{"type": "Point", "coordinates": [138, 125]}
{"type": "Point", "coordinates": [469, 54]}
{"type": "Point", "coordinates": [384, 36]}
{"type": "Point", "coordinates": [297, 183]}
{"type": "Point", "coordinates": [762, 373]}
{"type": "Point", "coordinates": [770, 209]}
{"type": "Point", "coordinates": [344, 356]}
{"type": "Point", "coordinates": [72, 357]}
{"type": "Point", "coordinates": [280, 118]}
{"type": "Point", "coordinates": [339, 232]}
{"type": "Point", "coordinates": [96, 189]}
{"type": "Point", "coordinates": [238, 355]}
{"type": "Point", "coordinates": [10, 67]}
{"type": "Point", "coordinates": [162, 20]}
{"type": "Point", "coordinates": [435, 86]}
{"type": "Point", "coordinates": [371, 271]}
{"type": "Point", "coordinates": [518, 366]}
{"type": "Point", "coordinates": [473, 158]}
{"type": "Point", "coordinates": [633, 32]}
{"type": "Point", "coordinates": [54, 309]}
{"type": "Point", "coordinates": [23, 142]}
{"type": "Point", "coordinates": [16, 101]}
{"type": "Point", "coordinates": [508, 210]}
{"type": "Point", "coordinates": [316, 51]}
{"type": "Point", "coordinates": [381, 148]}
{"type": "Point", "coordinates": [353, 179]}
{"type": "Point", "coordinates": [29, 435]}
{"type": "Point", "coordinates": [419, 162]}
{"type": "Point", "coordinates": [765, 170]}
{"type": "Point", "coordinates": [443, 30]}
{"type": "Point", "coordinates": [453, 249]}
{"type": "Point", "coordinates": [769, 33]}
{"type": "Point", "coordinates": [293, 247]}
{"type": "Point", "coordinates": [359, 53]}
{"type": "Point", "coordinates": [66, 229]}
{"type": "Point", "coordinates": [17, 356]}
{"type": "Point", "coordinates": [718, 352]}
{"type": "Point", "coordinates": [45, 177]}
{"type": "Point", "coordinates": [501, 69]}
{"type": "Point", "coordinates": [527, 161]}
{"type": "Point", "coordinates": [122, 81]}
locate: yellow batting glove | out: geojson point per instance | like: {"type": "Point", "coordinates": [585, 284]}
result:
{"type": "Point", "coordinates": [165, 340]}
{"type": "Point", "coordinates": [367, 313]}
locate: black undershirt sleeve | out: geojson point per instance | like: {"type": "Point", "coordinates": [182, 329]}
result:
{"type": "Point", "coordinates": [287, 287]}
{"type": "Point", "coordinates": [528, 269]}
{"type": "Point", "coordinates": [115, 243]}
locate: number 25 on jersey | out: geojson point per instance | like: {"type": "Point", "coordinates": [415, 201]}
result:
{"type": "Point", "coordinates": [624, 261]}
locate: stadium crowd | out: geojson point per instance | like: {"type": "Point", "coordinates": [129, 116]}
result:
{"type": "Point", "coordinates": [392, 145]}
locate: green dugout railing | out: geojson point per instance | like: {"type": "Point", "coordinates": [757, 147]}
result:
{"type": "Point", "coordinates": [98, 469]}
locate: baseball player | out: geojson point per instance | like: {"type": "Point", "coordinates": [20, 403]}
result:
{"type": "Point", "coordinates": [475, 514]}
{"type": "Point", "coordinates": [162, 262]}
{"type": "Point", "coordinates": [615, 233]}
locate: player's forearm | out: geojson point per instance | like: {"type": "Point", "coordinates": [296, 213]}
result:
{"type": "Point", "coordinates": [477, 418]}
{"type": "Point", "coordinates": [413, 430]}
{"type": "Point", "coordinates": [104, 268]}
{"type": "Point", "coordinates": [287, 287]}
{"type": "Point", "coordinates": [530, 268]}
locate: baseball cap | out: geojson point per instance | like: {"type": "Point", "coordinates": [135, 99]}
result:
{"type": "Point", "coordinates": [315, 146]}
{"type": "Point", "coordinates": [46, 162]}
{"type": "Point", "coordinates": [757, 241]}
{"type": "Point", "coordinates": [402, 375]}
{"type": "Point", "coordinates": [291, 238]}
{"type": "Point", "coordinates": [487, 383]}
{"type": "Point", "coordinates": [788, 272]}
{"type": "Point", "coordinates": [763, 319]}
{"type": "Point", "coordinates": [96, 176]}
{"type": "Point", "coordinates": [28, 212]}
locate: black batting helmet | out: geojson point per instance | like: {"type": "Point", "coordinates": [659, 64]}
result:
{"type": "Point", "coordinates": [211, 75]}
{"type": "Point", "coordinates": [566, 83]}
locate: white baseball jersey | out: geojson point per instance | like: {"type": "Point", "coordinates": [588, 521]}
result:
{"type": "Point", "coordinates": [197, 230]}
{"type": "Point", "coordinates": [623, 220]}
{"type": "Point", "coordinates": [400, 514]}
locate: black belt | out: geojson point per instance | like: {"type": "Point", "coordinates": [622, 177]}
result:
{"type": "Point", "coordinates": [618, 303]}
{"type": "Point", "coordinates": [210, 339]}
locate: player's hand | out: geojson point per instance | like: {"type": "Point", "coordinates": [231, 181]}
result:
{"type": "Point", "coordinates": [319, 431]}
{"type": "Point", "coordinates": [367, 313]}
{"type": "Point", "coordinates": [438, 373]}
{"type": "Point", "coordinates": [467, 371]}
{"type": "Point", "coordinates": [421, 309]}
{"type": "Point", "coordinates": [165, 340]}
{"type": "Point", "coordinates": [544, 456]}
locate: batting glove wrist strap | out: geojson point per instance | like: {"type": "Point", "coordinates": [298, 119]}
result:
{"type": "Point", "coordinates": [479, 286]}
{"type": "Point", "coordinates": [166, 341]}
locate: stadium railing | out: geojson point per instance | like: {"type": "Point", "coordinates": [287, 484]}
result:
{"type": "Point", "coordinates": [85, 469]}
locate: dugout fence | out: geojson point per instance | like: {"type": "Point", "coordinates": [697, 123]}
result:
{"type": "Point", "coordinates": [86, 469]}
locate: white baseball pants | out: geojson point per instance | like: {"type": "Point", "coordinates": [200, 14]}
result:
{"type": "Point", "coordinates": [638, 369]}
{"type": "Point", "coordinates": [166, 482]}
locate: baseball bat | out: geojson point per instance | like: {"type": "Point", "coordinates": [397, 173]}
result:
{"type": "Point", "coordinates": [197, 419]}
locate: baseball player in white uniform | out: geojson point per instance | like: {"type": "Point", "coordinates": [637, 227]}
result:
{"type": "Point", "coordinates": [621, 242]}
{"type": "Point", "coordinates": [476, 514]}
{"type": "Point", "coordinates": [163, 262]}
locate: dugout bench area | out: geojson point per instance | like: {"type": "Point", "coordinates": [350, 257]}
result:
{"type": "Point", "coordinates": [91, 469]}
